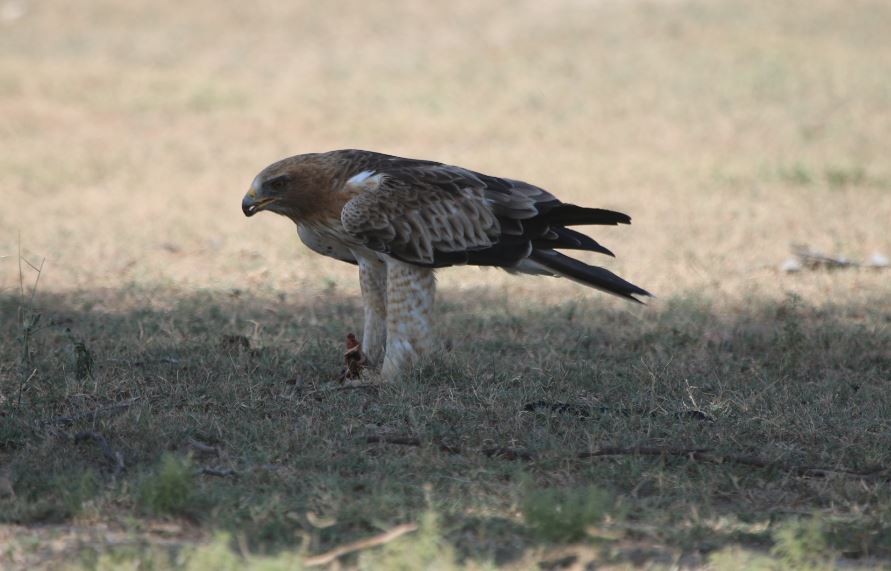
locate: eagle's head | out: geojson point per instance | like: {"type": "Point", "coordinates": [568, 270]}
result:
{"type": "Point", "coordinates": [273, 189]}
{"type": "Point", "coordinates": [262, 194]}
{"type": "Point", "coordinates": [297, 187]}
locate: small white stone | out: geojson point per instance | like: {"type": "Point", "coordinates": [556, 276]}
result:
{"type": "Point", "coordinates": [878, 260]}
{"type": "Point", "coordinates": [791, 265]}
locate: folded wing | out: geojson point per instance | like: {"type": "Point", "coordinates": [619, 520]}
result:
{"type": "Point", "coordinates": [435, 215]}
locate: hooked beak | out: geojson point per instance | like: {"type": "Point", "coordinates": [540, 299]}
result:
{"type": "Point", "coordinates": [252, 204]}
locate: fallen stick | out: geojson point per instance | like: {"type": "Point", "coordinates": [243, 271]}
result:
{"type": "Point", "coordinates": [219, 473]}
{"type": "Point", "coordinates": [202, 448]}
{"type": "Point", "coordinates": [584, 411]}
{"type": "Point", "coordinates": [116, 458]}
{"type": "Point", "coordinates": [403, 440]}
{"type": "Point", "coordinates": [69, 420]}
{"type": "Point", "coordinates": [697, 454]}
{"type": "Point", "coordinates": [507, 453]}
{"type": "Point", "coordinates": [707, 455]}
{"type": "Point", "coordinates": [357, 387]}
{"type": "Point", "coordinates": [812, 259]}
{"type": "Point", "coordinates": [641, 451]}
{"type": "Point", "coordinates": [374, 541]}
{"type": "Point", "coordinates": [410, 441]}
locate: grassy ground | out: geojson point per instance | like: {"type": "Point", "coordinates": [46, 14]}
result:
{"type": "Point", "coordinates": [179, 381]}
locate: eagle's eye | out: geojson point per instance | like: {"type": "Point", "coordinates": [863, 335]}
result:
{"type": "Point", "coordinates": [278, 183]}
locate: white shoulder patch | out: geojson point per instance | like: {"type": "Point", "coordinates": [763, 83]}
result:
{"type": "Point", "coordinates": [365, 180]}
{"type": "Point", "coordinates": [360, 178]}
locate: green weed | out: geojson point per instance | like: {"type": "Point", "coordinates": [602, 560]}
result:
{"type": "Point", "coordinates": [565, 515]}
{"type": "Point", "coordinates": [170, 488]}
{"type": "Point", "coordinates": [803, 544]}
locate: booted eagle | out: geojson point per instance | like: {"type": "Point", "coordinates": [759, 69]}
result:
{"type": "Point", "coordinates": [400, 219]}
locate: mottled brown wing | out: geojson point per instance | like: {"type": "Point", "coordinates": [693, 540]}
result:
{"type": "Point", "coordinates": [428, 215]}
{"type": "Point", "coordinates": [437, 215]}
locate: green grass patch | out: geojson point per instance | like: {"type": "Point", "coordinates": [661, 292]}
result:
{"type": "Point", "coordinates": [565, 515]}
{"type": "Point", "coordinates": [170, 488]}
{"type": "Point", "coordinates": [260, 442]}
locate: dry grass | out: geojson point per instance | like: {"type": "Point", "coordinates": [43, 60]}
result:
{"type": "Point", "coordinates": [728, 130]}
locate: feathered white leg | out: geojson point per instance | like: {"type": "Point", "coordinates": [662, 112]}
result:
{"type": "Point", "coordinates": [373, 281]}
{"type": "Point", "coordinates": [410, 294]}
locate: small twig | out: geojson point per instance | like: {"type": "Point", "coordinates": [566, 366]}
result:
{"type": "Point", "coordinates": [806, 471]}
{"type": "Point", "coordinates": [694, 415]}
{"type": "Point", "coordinates": [116, 458]}
{"type": "Point", "coordinates": [813, 259]}
{"type": "Point", "coordinates": [357, 387]}
{"type": "Point", "coordinates": [448, 448]}
{"type": "Point", "coordinates": [403, 440]}
{"type": "Point", "coordinates": [69, 420]}
{"type": "Point", "coordinates": [507, 453]}
{"type": "Point", "coordinates": [642, 451]}
{"type": "Point", "coordinates": [345, 387]}
{"type": "Point", "coordinates": [27, 321]}
{"type": "Point", "coordinates": [409, 441]}
{"type": "Point", "coordinates": [707, 455]}
{"type": "Point", "coordinates": [374, 541]}
{"type": "Point", "coordinates": [220, 473]}
{"type": "Point", "coordinates": [697, 454]}
{"type": "Point", "coordinates": [21, 274]}
{"type": "Point", "coordinates": [36, 280]}
{"type": "Point", "coordinates": [202, 448]}
{"type": "Point", "coordinates": [22, 386]}
{"type": "Point", "coordinates": [583, 411]}
{"type": "Point", "coordinates": [579, 410]}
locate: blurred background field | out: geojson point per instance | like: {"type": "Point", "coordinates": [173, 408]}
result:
{"type": "Point", "coordinates": [728, 130]}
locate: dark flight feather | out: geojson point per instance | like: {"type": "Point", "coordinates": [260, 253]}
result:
{"type": "Point", "coordinates": [593, 276]}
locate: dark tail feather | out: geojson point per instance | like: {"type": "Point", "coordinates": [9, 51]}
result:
{"type": "Point", "coordinates": [570, 240]}
{"type": "Point", "coordinates": [592, 276]}
{"type": "Point", "coordinates": [572, 215]}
